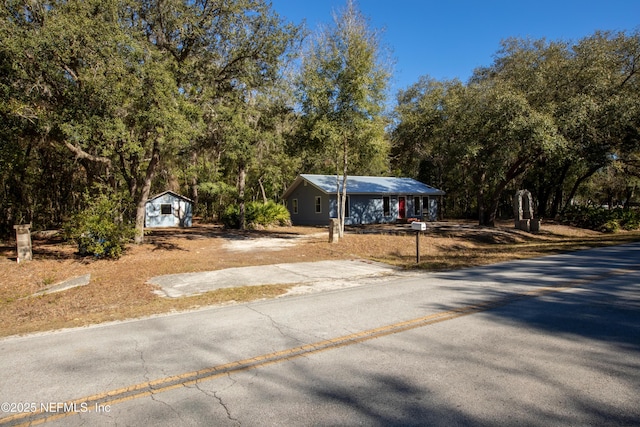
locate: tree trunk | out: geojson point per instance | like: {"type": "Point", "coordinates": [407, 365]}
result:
{"type": "Point", "coordinates": [343, 201]}
{"type": "Point", "coordinates": [576, 185]}
{"type": "Point", "coordinates": [144, 193]}
{"type": "Point", "coordinates": [194, 180]}
{"type": "Point", "coordinates": [480, 199]}
{"type": "Point", "coordinates": [128, 171]}
{"type": "Point", "coordinates": [242, 178]}
{"type": "Point", "coordinates": [629, 192]}
{"type": "Point", "coordinates": [543, 201]}
{"type": "Point", "coordinates": [338, 199]}
{"type": "Point", "coordinates": [490, 218]}
{"type": "Point", "coordinates": [264, 194]}
{"type": "Point", "coordinates": [557, 199]}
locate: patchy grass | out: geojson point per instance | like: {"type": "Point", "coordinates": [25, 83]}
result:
{"type": "Point", "coordinates": [119, 289]}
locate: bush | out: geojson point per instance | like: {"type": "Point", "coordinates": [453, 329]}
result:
{"type": "Point", "coordinates": [601, 219]}
{"type": "Point", "coordinates": [630, 220]}
{"type": "Point", "coordinates": [100, 229]}
{"type": "Point", "coordinates": [257, 215]}
{"type": "Point", "coordinates": [611, 226]}
{"type": "Point", "coordinates": [231, 216]}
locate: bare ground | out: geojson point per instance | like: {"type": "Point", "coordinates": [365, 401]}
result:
{"type": "Point", "coordinates": [119, 289]}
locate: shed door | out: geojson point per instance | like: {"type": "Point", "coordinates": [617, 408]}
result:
{"type": "Point", "coordinates": [402, 207]}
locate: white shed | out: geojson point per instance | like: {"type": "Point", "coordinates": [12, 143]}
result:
{"type": "Point", "coordinates": [168, 209]}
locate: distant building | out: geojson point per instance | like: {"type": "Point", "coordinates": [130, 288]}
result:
{"type": "Point", "coordinates": [168, 209]}
{"type": "Point", "coordinates": [311, 200]}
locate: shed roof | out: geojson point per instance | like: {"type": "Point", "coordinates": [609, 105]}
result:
{"type": "Point", "coordinates": [169, 192]}
{"type": "Point", "coordinates": [367, 185]}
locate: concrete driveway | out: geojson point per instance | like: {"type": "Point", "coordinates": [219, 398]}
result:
{"type": "Point", "coordinates": [309, 276]}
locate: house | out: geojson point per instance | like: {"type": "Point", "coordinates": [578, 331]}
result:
{"type": "Point", "coordinates": [311, 200]}
{"type": "Point", "coordinates": [168, 209]}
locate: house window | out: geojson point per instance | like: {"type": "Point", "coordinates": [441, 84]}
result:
{"type": "Point", "coordinates": [318, 204]}
{"type": "Point", "coordinates": [347, 208]}
{"type": "Point", "coordinates": [416, 206]}
{"type": "Point", "coordinates": [165, 209]}
{"type": "Point", "coordinates": [386, 206]}
{"type": "Point", "coordinates": [295, 206]}
{"type": "Point", "coordinates": [425, 204]}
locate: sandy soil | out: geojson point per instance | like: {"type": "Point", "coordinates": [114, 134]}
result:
{"type": "Point", "coordinates": [119, 289]}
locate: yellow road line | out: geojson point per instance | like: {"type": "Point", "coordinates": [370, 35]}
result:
{"type": "Point", "coordinates": [160, 385]}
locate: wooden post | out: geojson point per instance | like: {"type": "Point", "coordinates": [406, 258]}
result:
{"type": "Point", "coordinates": [419, 227]}
{"type": "Point", "coordinates": [334, 230]}
{"type": "Point", "coordinates": [23, 242]}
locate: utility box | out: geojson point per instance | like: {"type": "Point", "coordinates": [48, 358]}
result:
{"type": "Point", "coordinates": [419, 226]}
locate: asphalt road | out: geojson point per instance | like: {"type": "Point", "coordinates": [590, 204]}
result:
{"type": "Point", "coordinates": [550, 341]}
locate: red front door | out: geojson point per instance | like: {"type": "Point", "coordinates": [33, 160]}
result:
{"type": "Point", "coordinates": [402, 208]}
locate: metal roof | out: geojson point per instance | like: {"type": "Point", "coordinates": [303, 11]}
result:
{"type": "Point", "coordinates": [368, 185]}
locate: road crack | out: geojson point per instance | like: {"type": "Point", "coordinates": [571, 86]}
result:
{"type": "Point", "coordinates": [145, 375]}
{"type": "Point", "coordinates": [221, 402]}
{"type": "Point", "coordinates": [275, 324]}
{"type": "Point", "coordinates": [144, 362]}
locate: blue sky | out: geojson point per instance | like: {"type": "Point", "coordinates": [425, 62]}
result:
{"type": "Point", "coordinates": [449, 39]}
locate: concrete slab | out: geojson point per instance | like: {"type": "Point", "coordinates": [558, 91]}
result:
{"type": "Point", "coordinates": [303, 273]}
{"type": "Point", "coordinates": [67, 284]}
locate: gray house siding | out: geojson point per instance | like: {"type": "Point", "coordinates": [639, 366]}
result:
{"type": "Point", "coordinates": [168, 210]}
{"type": "Point", "coordinates": [368, 209]}
{"type": "Point", "coordinates": [305, 198]}
{"type": "Point", "coordinates": [362, 209]}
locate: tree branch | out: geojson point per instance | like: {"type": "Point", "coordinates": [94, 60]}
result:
{"type": "Point", "coordinates": [81, 154]}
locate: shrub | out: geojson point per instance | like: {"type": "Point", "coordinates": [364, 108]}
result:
{"type": "Point", "coordinates": [100, 230]}
{"type": "Point", "coordinates": [611, 226]}
{"type": "Point", "coordinates": [630, 220]}
{"type": "Point", "coordinates": [231, 216]}
{"type": "Point", "coordinates": [601, 219]}
{"type": "Point", "coordinates": [257, 215]}
{"type": "Point", "coordinates": [268, 214]}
